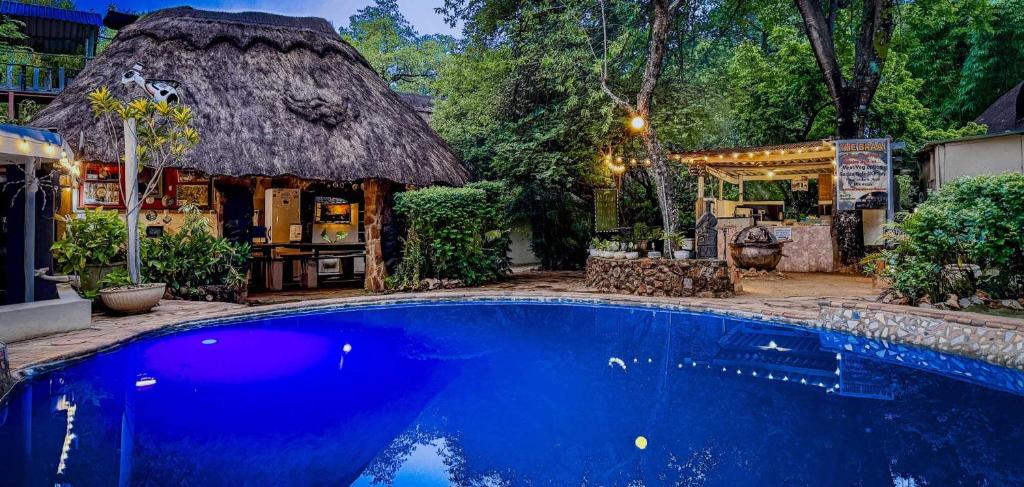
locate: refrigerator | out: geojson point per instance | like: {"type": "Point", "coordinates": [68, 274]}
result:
{"type": "Point", "coordinates": [281, 212]}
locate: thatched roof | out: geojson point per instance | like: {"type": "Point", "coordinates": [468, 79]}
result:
{"type": "Point", "coordinates": [1007, 113]}
{"type": "Point", "coordinates": [273, 95]}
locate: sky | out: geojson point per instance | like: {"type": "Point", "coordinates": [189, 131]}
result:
{"type": "Point", "coordinates": [419, 12]}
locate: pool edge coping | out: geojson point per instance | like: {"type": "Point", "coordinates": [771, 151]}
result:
{"type": "Point", "coordinates": [807, 318]}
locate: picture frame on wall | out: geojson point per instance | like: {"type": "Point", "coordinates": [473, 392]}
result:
{"type": "Point", "coordinates": [194, 194]}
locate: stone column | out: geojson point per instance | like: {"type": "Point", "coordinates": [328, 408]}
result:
{"type": "Point", "coordinates": [375, 193]}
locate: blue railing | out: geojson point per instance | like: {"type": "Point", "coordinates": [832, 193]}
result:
{"type": "Point", "coordinates": [23, 78]}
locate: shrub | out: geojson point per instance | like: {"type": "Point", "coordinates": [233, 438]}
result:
{"type": "Point", "coordinates": [971, 221]}
{"type": "Point", "coordinates": [98, 238]}
{"type": "Point", "coordinates": [193, 257]}
{"type": "Point", "coordinates": [455, 233]}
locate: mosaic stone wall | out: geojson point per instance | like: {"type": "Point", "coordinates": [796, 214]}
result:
{"type": "Point", "coordinates": [994, 344]}
{"type": "Point", "coordinates": [660, 277]}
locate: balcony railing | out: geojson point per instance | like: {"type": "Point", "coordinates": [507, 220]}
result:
{"type": "Point", "coordinates": [23, 78]}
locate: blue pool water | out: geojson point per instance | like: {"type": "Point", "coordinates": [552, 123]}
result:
{"type": "Point", "coordinates": [489, 394]}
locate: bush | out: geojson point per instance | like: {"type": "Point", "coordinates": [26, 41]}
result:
{"type": "Point", "coordinates": [971, 221]}
{"type": "Point", "coordinates": [193, 258]}
{"type": "Point", "coordinates": [99, 238]}
{"type": "Point", "coordinates": [455, 233]}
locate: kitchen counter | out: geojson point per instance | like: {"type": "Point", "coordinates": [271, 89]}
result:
{"type": "Point", "coordinates": [810, 249]}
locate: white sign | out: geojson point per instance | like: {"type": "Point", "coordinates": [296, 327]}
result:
{"type": "Point", "coordinates": [802, 184]}
{"type": "Point", "coordinates": [783, 233]}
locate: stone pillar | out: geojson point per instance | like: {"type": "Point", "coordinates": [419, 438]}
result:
{"type": "Point", "coordinates": [375, 197]}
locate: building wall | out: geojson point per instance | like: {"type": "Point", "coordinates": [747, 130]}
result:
{"type": "Point", "coordinates": [994, 155]}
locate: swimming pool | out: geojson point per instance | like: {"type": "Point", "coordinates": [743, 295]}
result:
{"type": "Point", "coordinates": [514, 393]}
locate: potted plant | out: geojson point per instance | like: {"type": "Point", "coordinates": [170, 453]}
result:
{"type": "Point", "coordinates": [156, 134]}
{"type": "Point", "coordinates": [631, 252]}
{"type": "Point", "coordinates": [92, 247]}
{"type": "Point", "coordinates": [679, 242]}
{"type": "Point", "coordinates": [641, 235]}
{"type": "Point", "coordinates": [595, 246]}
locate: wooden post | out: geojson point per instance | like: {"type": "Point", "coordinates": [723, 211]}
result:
{"type": "Point", "coordinates": [741, 189]}
{"type": "Point", "coordinates": [375, 193]}
{"type": "Point", "coordinates": [29, 260]}
{"type": "Point", "coordinates": [11, 114]}
{"type": "Point", "coordinates": [700, 196]}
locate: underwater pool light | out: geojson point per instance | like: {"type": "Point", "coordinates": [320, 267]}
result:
{"type": "Point", "coordinates": [144, 382]}
{"type": "Point", "coordinates": [209, 341]}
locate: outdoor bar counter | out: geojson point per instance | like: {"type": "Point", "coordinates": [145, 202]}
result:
{"type": "Point", "coordinates": [809, 250]}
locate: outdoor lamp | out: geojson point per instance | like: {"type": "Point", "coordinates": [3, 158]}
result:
{"type": "Point", "coordinates": [637, 123]}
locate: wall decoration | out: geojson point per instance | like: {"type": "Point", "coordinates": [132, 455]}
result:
{"type": "Point", "coordinates": [606, 209]}
{"type": "Point", "coordinates": [101, 193]}
{"type": "Point", "coordinates": [194, 194]}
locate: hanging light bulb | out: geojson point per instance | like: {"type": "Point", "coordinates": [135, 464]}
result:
{"type": "Point", "coordinates": [637, 123]}
{"type": "Point", "coordinates": [771, 174]}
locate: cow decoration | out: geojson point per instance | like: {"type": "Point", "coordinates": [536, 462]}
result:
{"type": "Point", "coordinates": [159, 89]}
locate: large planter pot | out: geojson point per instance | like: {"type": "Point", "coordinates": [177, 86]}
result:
{"type": "Point", "coordinates": [129, 300]}
{"type": "Point", "coordinates": [682, 254]}
{"type": "Point", "coordinates": [90, 278]}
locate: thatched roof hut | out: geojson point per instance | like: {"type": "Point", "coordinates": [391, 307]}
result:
{"type": "Point", "coordinates": [273, 95]}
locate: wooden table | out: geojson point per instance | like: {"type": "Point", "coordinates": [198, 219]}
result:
{"type": "Point", "coordinates": [306, 255]}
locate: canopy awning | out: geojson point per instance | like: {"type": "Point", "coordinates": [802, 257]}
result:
{"type": "Point", "coordinates": [19, 144]}
{"type": "Point", "coordinates": [787, 161]}
{"type": "Point", "coordinates": [28, 147]}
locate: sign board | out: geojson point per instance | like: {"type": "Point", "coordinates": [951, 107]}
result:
{"type": "Point", "coordinates": [864, 170]}
{"type": "Point", "coordinates": [606, 209]}
{"type": "Point", "coordinates": [697, 170]}
{"type": "Point", "coordinates": [802, 184]}
{"type": "Point", "coordinates": [783, 233]}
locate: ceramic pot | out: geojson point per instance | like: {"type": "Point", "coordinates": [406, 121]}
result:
{"type": "Point", "coordinates": [137, 299]}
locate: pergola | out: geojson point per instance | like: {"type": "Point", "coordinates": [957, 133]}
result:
{"type": "Point", "coordinates": [737, 165]}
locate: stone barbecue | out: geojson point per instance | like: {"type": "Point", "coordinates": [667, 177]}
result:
{"type": "Point", "coordinates": [661, 277]}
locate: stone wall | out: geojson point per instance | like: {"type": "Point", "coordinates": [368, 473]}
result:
{"type": "Point", "coordinates": [375, 194]}
{"type": "Point", "coordinates": [995, 341]}
{"type": "Point", "coordinates": [660, 277]}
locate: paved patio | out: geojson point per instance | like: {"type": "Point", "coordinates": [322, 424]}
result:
{"type": "Point", "coordinates": [817, 300]}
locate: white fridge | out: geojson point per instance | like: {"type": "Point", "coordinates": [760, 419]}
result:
{"type": "Point", "coordinates": [281, 212]}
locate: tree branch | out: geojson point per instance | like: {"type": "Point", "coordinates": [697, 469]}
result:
{"type": "Point", "coordinates": [820, 35]}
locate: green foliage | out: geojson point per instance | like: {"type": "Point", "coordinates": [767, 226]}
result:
{"type": "Point", "coordinates": [455, 233]}
{"type": "Point", "coordinates": [527, 110]}
{"type": "Point", "coordinates": [407, 61]}
{"type": "Point", "coordinates": [98, 239]}
{"type": "Point", "coordinates": [193, 257]}
{"type": "Point", "coordinates": [971, 221]}
{"type": "Point", "coordinates": [969, 52]}
{"type": "Point", "coordinates": [117, 278]}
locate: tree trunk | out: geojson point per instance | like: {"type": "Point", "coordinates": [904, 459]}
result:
{"type": "Point", "coordinates": [852, 98]}
{"type": "Point", "coordinates": [663, 175]}
{"type": "Point", "coordinates": [131, 200]}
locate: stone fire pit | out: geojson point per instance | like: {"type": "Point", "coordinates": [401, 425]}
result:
{"type": "Point", "coordinates": [661, 277]}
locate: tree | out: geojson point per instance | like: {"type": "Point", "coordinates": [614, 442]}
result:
{"type": "Point", "coordinates": [851, 95]}
{"type": "Point", "coordinates": [662, 15]}
{"type": "Point", "coordinates": [406, 60]}
{"type": "Point", "coordinates": [155, 135]}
